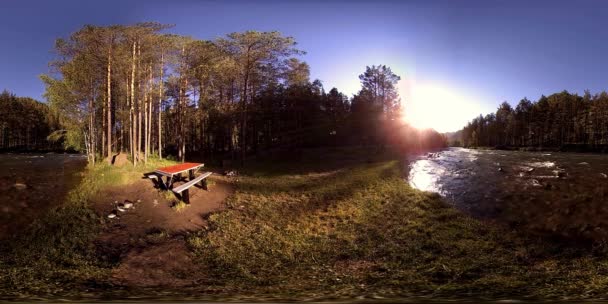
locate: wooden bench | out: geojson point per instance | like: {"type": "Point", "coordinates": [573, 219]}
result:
{"type": "Point", "coordinates": [182, 191]}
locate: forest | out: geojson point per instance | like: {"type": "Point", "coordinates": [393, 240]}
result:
{"type": "Point", "coordinates": [25, 124]}
{"type": "Point", "coordinates": [563, 121]}
{"type": "Point", "coordinates": [139, 90]}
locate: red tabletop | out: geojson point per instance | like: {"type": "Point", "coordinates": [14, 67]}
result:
{"type": "Point", "coordinates": [179, 168]}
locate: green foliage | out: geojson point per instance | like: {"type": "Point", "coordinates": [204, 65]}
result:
{"type": "Point", "coordinates": [380, 84]}
{"type": "Point", "coordinates": [25, 123]}
{"type": "Point", "coordinates": [561, 120]}
{"type": "Point", "coordinates": [251, 93]}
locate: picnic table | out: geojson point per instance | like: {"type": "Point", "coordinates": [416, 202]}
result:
{"type": "Point", "coordinates": [171, 172]}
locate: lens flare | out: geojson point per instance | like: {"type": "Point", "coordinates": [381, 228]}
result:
{"type": "Point", "coordinates": [439, 108]}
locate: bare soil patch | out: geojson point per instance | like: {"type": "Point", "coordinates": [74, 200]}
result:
{"type": "Point", "coordinates": [147, 241]}
{"type": "Point", "coordinates": [166, 264]}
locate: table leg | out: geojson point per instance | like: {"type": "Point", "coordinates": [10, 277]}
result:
{"type": "Point", "coordinates": [191, 174]}
{"type": "Point", "coordinates": [169, 182]}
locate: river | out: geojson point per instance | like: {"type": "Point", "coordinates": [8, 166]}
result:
{"type": "Point", "coordinates": [32, 183]}
{"type": "Point", "coordinates": [561, 194]}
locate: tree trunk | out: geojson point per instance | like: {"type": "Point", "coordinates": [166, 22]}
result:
{"type": "Point", "coordinates": [132, 111]}
{"type": "Point", "coordinates": [91, 151]}
{"type": "Point", "coordinates": [109, 105]}
{"type": "Point", "coordinates": [244, 119]}
{"type": "Point", "coordinates": [146, 122]}
{"type": "Point", "coordinates": [160, 110]}
{"type": "Point", "coordinates": [182, 123]}
{"type": "Point", "coordinates": [150, 103]}
{"type": "Point", "coordinates": [138, 139]}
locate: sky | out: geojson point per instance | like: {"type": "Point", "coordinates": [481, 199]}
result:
{"type": "Point", "coordinates": [456, 59]}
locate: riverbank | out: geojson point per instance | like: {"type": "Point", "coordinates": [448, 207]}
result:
{"type": "Point", "coordinates": [32, 183]}
{"type": "Point", "coordinates": [335, 224]}
{"type": "Point", "coordinates": [574, 148]}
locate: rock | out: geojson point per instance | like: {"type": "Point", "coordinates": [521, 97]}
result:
{"type": "Point", "coordinates": [231, 173]}
{"type": "Point", "coordinates": [112, 214]}
{"type": "Point", "coordinates": [604, 175]}
{"type": "Point", "coordinates": [584, 163]}
{"type": "Point", "coordinates": [128, 205]}
{"type": "Point", "coordinates": [559, 172]}
{"type": "Point", "coordinates": [536, 183]}
{"type": "Point", "coordinates": [20, 186]}
{"type": "Point", "coordinates": [500, 169]}
{"type": "Point", "coordinates": [119, 160]}
{"type": "Point", "coordinates": [120, 209]}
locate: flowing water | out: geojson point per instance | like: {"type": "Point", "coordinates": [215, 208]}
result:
{"type": "Point", "coordinates": [564, 194]}
{"type": "Point", "coordinates": [32, 183]}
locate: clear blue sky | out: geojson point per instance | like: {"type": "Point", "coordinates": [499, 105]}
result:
{"type": "Point", "coordinates": [489, 51]}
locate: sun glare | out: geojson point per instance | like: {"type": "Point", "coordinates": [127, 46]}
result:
{"type": "Point", "coordinates": [439, 108]}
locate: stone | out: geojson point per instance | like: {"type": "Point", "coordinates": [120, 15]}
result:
{"type": "Point", "coordinates": [20, 186]}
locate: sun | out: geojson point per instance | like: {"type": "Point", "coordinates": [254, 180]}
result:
{"type": "Point", "coordinates": [437, 107]}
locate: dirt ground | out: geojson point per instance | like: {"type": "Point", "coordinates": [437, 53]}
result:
{"type": "Point", "coordinates": [147, 242]}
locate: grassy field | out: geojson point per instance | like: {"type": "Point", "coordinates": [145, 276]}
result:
{"type": "Point", "coordinates": [56, 255]}
{"type": "Point", "coordinates": [327, 224]}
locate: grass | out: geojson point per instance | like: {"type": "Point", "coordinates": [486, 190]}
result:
{"type": "Point", "coordinates": [56, 255]}
{"type": "Point", "coordinates": [321, 224]}
{"type": "Point", "coordinates": [304, 230]}
{"type": "Point", "coordinates": [156, 235]}
{"type": "Point", "coordinates": [179, 206]}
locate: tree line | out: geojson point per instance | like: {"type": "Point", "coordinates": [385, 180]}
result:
{"type": "Point", "coordinates": [562, 120]}
{"type": "Point", "coordinates": [25, 124]}
{"type": "Point", "coordinates": [139, 90]}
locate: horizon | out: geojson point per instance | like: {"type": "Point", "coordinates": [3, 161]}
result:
{"type": "Point", "coordinates": [478, 54]}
